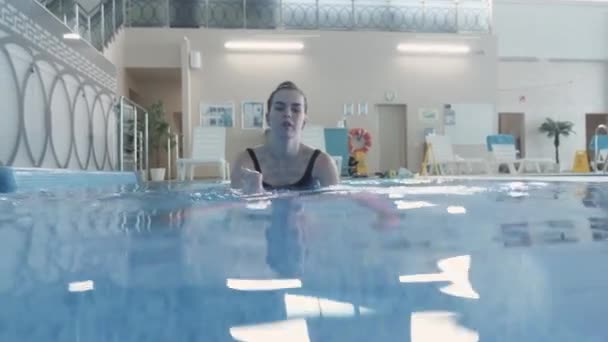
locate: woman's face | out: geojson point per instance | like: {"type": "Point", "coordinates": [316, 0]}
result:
{"type": "Point", "coordinates": [287, 115]}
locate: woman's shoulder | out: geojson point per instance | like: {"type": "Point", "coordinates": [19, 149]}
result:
{"type": "Point", "coordinates": [255, 149]}
{"type": "Point", "coordinates": [245, 157]}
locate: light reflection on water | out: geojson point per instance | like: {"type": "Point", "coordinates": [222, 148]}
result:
{"type": "Point", "coordinates": [181, 263]}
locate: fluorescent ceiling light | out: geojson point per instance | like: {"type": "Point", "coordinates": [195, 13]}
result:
{"type": "Point", "coordinates": [71, 36]}
{"type": "Point", "coordinates": [264, 46]}
{"type": "Point", "coordinates": [453, 270]}
{"type": "Point", "coordinates": [434, 48]}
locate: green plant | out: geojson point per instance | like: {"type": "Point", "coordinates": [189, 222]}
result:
{"type": "Point", "coordinates": [555, 129]}
{"type": "Point", "coordinates": [158, 130]}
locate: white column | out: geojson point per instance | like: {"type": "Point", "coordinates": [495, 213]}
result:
{"type": "Point", "coordinates": [186, 97]}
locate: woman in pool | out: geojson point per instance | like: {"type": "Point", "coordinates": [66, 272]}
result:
{"type": "Point", "coordinates": [284, 162]}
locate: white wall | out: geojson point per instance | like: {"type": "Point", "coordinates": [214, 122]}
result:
{"type": "Point", "coordinates": [562, 91]}
{"type": "Point", "coordinates": [115, 53]}
{"type": "Point", "coordinates": [568, 79]}
{"type": "Point", "coordinates": [335, 68]}
{"type": "Point", "coordinates": [551, 29]}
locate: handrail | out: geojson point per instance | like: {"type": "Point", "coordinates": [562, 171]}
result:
{"type": "Point", "coordinates": [95, 31]}
{"type": "Point", "coordinates": [138, 164]}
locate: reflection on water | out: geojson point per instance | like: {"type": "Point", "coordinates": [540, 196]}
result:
{"type": "Point", "coordinates": [263, 284]}
{"type": "Point", "coordinates": [433, 261]}
{"type": "Point", "coordinates": [454, 271]}
{"type": "Point", "coordinates": [440, 326]}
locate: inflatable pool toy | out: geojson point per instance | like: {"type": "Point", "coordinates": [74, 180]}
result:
{"type": "Point", "coordinates": [359, 143]}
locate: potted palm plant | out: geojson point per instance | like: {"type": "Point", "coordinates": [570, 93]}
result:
{"type": "Point", "coordinates": [158, 136]}
{"type": "Point", "coordinates": [556, 129]}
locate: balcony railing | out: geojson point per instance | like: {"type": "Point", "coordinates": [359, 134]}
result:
{"type": "Point", "coordinates": [99, 25]}
{"type": "Point", "coordinates": [389, 15]}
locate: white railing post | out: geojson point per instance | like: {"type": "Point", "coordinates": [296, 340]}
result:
{"type": "Point", "coordinates": [113, 16]}
{"type": "Point", "coordinates": [457, 16]}
{"type": "Point", "coordinates": [103, 25]}
{"type": "Point", "coordinates": [317, 14]}
{"type": "Point", "coordinates": [64, 12]}
{"type": "Point", "coordinates": [89, 28]}
{"type": "Point", "coordinates": [244, 13]}
{"type": "Point", "coordinates": [176, 137]}
{"type": "Point", "coordinates": [353, 18]}
{"type": "Point", "coordinates": [169, 154]}
{"type": "Point", "coordinates": [77, 18]}
{"type": "Point", "coordinates": [491, 16]}
{"type": "Point", "coordinates": [207, 13]}
{"type": "Point", "coordinates": [121, 134]}
{"type": "Point", "coordinates": [135, 161]}
{"type": "Point", "coordinates": [168, 13]}
{"type": "Point", "coordinates": [125, 20]}
{"type": "Point", "coordinates": [280, 23]}
{"type": "Point", "coordinates": [147, 146]}
{"type": "Point", "coordinates": [423, 5]}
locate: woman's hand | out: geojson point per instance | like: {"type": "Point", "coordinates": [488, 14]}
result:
{"type": "Point", "coordinates": [251, 181]}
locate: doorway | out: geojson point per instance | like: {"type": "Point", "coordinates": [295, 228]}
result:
{"type": "Point", "coordinates": [515, 125]}
{"type": "Point", "coordinates": [392, 137]}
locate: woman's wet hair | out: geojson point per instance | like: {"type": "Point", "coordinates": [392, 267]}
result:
{"type": "Point", "coordinates": [287, 85]}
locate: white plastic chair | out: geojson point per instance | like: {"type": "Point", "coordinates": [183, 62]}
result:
{"type": "Point", "coordinates": [507, 154]}
{"type": "Point", "coordinates": [314, 136]}
{"type": "Point", "coordinates": [208, 146]}
{"type": "Point", "coordinates": [442, 155]}
{"type": "Point", "coordinates": [598, 163]}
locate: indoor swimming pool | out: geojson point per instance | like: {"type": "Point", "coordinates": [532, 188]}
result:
{"type": "Point", "coordinates": [416, 260]}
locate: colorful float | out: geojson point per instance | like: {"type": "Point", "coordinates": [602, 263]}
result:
{"type": "Point", "coordinates": [359, 143]}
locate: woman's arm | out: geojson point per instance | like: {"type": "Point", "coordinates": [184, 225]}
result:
{"type": "Point", "coordinates": [325, 170]}
{"type": "Point", "coordinates": [244, 177]}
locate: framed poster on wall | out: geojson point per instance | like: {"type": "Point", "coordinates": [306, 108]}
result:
{"type": "Point", "coordinates": [217, 115]}
{"type": "Point", "coordinates": [428, 115]}
{"type": "Point", "coordinates": [252, 115]}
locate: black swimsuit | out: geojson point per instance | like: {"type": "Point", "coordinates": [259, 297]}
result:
{"type": "Point", "coordinates": [305, 183]}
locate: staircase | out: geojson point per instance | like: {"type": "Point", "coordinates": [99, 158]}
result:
{"type": "Point", "coordinates": [98, 26]}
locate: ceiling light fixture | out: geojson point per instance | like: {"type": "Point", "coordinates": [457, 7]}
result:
{"type": "Point", "coordinates": [71, 36]}
{"type": "Point", "coordinates": [264, 46]}
{"type": "Point", "coordinates": [434, 48]}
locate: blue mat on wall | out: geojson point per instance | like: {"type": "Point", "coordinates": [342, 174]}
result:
{"type": "Point", "coordinates": [499, 139]}
{"type": "Point", "coordinates": [336, 144]}
{"type": "Point", "coordinates": [36, 179]}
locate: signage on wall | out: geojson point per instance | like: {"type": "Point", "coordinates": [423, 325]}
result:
{"type": "Point", "coordinates": [356, 109]}
{"type": "Point", "coordinates": [217, 115]}
{"type": "Point", "coordinates": [449, 115]}
{"type": "Point", "coordinates": [429, 115]}
{"type": "Point", "coordinates": [252, 115]}
{"type": "Point", "coordinates": [363, 108]}
{"type": "Point", "coordinates": [349, 109]}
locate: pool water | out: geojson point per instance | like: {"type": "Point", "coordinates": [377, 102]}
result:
{"type": "Point", "coordinates": [365, 261]}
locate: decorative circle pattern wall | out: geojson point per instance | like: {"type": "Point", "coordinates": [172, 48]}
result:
{"type": "Point", "coordinates": [54, 114]}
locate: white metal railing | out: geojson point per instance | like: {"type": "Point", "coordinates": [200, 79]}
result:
{"type": "Point", "coordinates": [97, 25]}
{"type": "Point", "coordinates": [100, 24]}
{"type": "Point", "coordinates": [133, 146]}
